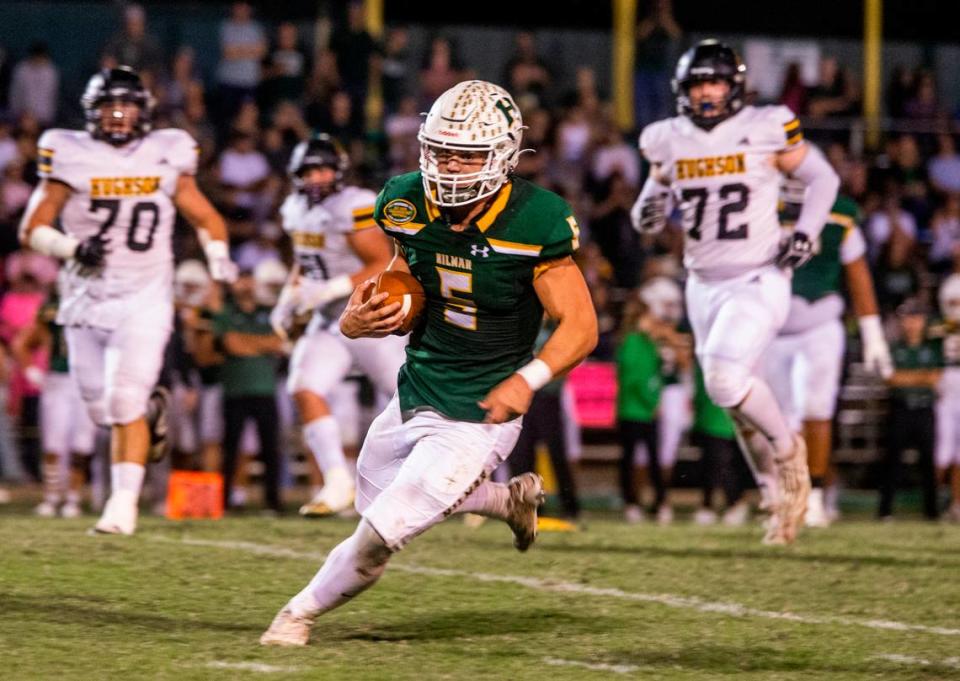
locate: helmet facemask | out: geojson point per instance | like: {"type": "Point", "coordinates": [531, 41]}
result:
{"type": "Point", "coordinates": [703, 115]}
{"type": "Point", "coordinates": [316, 192]}
{"type": "Point", "coordinates": [458, 189]}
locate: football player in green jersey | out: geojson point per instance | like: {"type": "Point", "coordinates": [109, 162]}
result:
{"type": "Point", "coordinates": [805, 361]}
{"type": "Point", "coordinates": [493, 253]}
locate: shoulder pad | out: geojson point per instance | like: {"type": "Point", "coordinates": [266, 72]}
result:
{"type": "Point", "coordinates": [181, 149]}
{"type": "Point", "coordinates": [548, 229]}
{"type": "Point", "coordinates": [58, 150]}
{"type": "Point", "coordinates": [290, 211]}
{"type": "Point", "coordinates": [784, 126]}
{"type": "Point", "coordinates": [358, 207]}
{"type": "Point", "coordinates": [654, 141]}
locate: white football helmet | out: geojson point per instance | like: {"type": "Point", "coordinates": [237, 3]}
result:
{"type": "Point", "coordinates": [191, 283]}
{"type": "Point", "coordinates": [950, 298]}
{"type": "Point", "coordinates": [664, 298]}
{"type": "Point", "coordinates": [268, 279]}
{"type": "Point", "coordinates": [471, 116]}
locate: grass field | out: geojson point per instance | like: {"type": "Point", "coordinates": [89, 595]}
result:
{"type": "Point", "coordinates": [188, 601]}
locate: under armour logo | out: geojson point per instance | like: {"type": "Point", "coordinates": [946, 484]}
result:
{"type": "Point", "coordinates": [478, 250]}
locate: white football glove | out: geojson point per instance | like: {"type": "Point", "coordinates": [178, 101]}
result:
{"type": "Point", "coordinates": [876, 352]}
{"type": "Point", "coordinates": [317, 294]}
{"type": "Point", "coordinates": [281, 316]}
{"type": "Point", "coordinates": [220, 266]}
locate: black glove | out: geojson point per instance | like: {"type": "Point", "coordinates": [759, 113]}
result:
{"type": "Point", "coordinates": [92, 251]}
{"type": "Point", "coordinates": [795, 251]}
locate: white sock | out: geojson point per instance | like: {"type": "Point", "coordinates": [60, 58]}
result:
{"type": "Point", "coordinates": [127, 477]}
{"type": "Point", "coordinates": [351, 568]}
{"type": "Point", "coordinates": [490, 499]}
{"type": "Point", "coordinates": [761, 410]}
{"type": "Point", "coordinates": [322, 436]}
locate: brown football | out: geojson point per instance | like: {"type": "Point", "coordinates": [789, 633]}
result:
{"type": "Point", "coordinates": [403, 289]}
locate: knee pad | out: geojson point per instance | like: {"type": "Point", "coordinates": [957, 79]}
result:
{"type": "Point", "coordinates": [98, 411]}
{"type": "Point", "coordinates": [727, 382]}
{"type": "Point", "coordinates": [127, 403]}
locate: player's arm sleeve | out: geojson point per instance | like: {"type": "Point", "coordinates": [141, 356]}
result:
{"type": "Point", "coordinates": [360, 213]}
{"type": "Point", "coordinates": [182, 151]}
{"type": "Point", "coordinates": [380, 218]}
{"type": "Point", "coordinates": [379, 203]}
{"type": "Point", "coordinates": [785, 129]}
{"type": "Point", "coordinates": [853, 246]}
{"type": "Point", "coordinates": [53, 159]}
{"type": "Point", "coordinates": [822, 183]}
{"type": "Point", "coordinates": [562, 235]}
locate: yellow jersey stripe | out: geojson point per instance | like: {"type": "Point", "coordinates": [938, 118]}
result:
{"type": "Point", "coordinates": [794, 138]}
{"type": "Point", "coordinates": [843, 220]}
{"type": "Point", "coordinates": [362, 212]}
{"type": "Point", "coordinates": [408, 228]}
{"type": "Point", "coordinates": [364, 224]}
{"type": "Point", "coordinates": [795, 123]}
{"type": "Point", "coordinates": [433, 213]}
{"type": "Point", "coordinates": [487, 219]}
{"type": "Point", "coordinates": [514, 248]}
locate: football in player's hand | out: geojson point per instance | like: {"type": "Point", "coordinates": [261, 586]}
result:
{"type": "Point", "coordinates": [403, 289]}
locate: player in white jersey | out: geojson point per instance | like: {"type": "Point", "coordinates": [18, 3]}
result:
{"type": "Point", "coordinates": [336, 246]}
{"type": "Point", "coordinates": [804, 363]}
{"type": "Point", "coordinates": [66, 431]}
{"type": "Point", "coordinates": [720, 161]}
{"type": "Point", "coordinates": [116, 188]}
{"type": "Point", "coordinates": [947, 447]}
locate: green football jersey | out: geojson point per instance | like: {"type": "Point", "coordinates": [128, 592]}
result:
{"type": "Point", "coordinates": [821, 276]}
{"type": "Point", "coordinates": [482, 314]}
{"type": "Point", "coordinates": [47, 315]}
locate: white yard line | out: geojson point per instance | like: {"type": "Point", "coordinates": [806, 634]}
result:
{"type": "Point", "coordinates": [252, 667]}
{"type": "Point", "coordinates": [951, 662]}
{"type": "Point", "coordinates": [670, 600]}
{"type": "Point", "coordinates": [593, 666]}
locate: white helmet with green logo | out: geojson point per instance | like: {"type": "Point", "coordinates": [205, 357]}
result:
{"type": "Point", "coordinates": [472, 116]}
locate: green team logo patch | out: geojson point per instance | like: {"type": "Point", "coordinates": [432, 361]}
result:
{"type": "Point", "coordinates": [400, 211]}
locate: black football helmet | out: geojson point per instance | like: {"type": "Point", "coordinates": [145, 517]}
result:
{"type": "Point", "coordinates": [709, 60]}
{"type": "Point", "coordinates": [123, 84]}
{"type": "Point", "coordinates": [320, 151]}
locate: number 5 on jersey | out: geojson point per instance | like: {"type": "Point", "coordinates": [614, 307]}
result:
{"type": "Point", "coordinates": [458, 311]}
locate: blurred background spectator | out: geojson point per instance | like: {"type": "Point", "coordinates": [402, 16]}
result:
{"type": "Point", "coordinates": [133, 46]}
{"type": "Point", "coordinates": [34, 89]}
{"type": "Point", "coordinates": [243, 45]}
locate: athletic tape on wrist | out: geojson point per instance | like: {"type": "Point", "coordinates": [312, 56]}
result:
{"type": "Point", "coordinates": [537, 374]}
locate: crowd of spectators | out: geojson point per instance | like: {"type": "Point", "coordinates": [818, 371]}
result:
{"type": "Point", "coordinates": [274, 86]}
